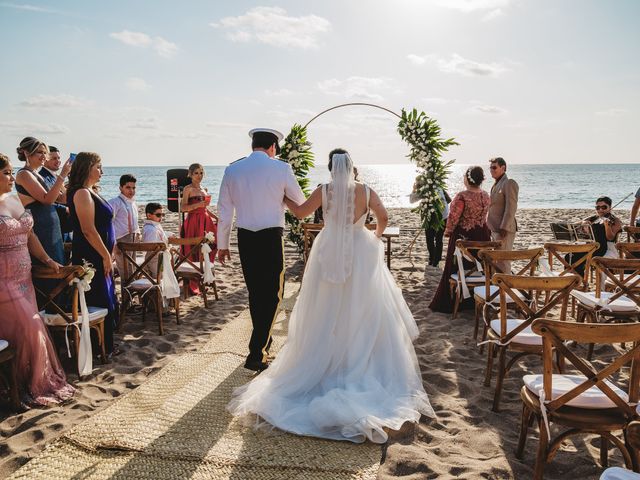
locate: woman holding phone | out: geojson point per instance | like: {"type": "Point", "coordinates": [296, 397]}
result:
{"type": "Point", "coordinates": [199, 221]}
{"type": "Point", "coordinates": [38, 198]}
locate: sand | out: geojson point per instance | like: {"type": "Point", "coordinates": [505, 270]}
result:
{"type": "Point", "coordinates": [468, 441]}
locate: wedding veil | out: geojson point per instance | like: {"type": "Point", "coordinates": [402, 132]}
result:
{"type": "Point", "coordinates": [336, 248]}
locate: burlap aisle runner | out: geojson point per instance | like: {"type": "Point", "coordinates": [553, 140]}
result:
{"type": "Point", "coordinates": [176, 426]}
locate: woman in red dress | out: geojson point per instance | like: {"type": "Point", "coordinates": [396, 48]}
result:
{"type": "Point", "coordinates": [468, 221]}
{"type": "Point", "coordinates": [199, 220]}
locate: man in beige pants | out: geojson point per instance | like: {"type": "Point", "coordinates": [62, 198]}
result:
{"type": "Point", "coordinates": [502, 212]}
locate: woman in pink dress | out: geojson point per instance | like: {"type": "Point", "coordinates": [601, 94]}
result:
{"type": "Point", "coordinates": [199, 221]}
{"type": "Point", "coordinates": [467, 220]}
{"type": "Point", "coordinates": [38, 368]}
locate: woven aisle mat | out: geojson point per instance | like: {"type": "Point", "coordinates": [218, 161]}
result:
{"type": "Point", "coordinates": [176, 426]}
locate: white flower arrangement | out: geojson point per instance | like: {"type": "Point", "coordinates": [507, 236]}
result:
{"type": "Point", "coordinates": [210, 237]}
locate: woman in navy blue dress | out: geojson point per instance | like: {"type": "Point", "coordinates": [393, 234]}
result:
{"type": "Point", "coordinates": [93, 236]}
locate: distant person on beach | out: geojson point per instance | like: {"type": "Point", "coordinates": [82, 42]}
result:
{"type": "Point", "coordinates": [125, 216]}
{"type": "Point", "coordinates": [467, 220]}
{"type": "Point", "coordinates": [199, 221]}
{"type": "Point", "coordinates": [348, 370]}
{"type": "Point", "coordinates": [49, 172]}
{"type": "Point", "coordinates": [94, 237]}
{"type": "Point", "coordinates": [433, 236]}
{"type": "Point", "coordinates": [254, 188]}
{"type": "Point", "coordinates": [504, 203]}
{"type": "Point", "coordinates": [37, 366]}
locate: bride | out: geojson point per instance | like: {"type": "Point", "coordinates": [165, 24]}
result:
{"type": "Point", "coordinates": [348, 369]}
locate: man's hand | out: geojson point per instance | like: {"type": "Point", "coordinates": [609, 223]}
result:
{"type": "Point", "coordinates": [223, 255]}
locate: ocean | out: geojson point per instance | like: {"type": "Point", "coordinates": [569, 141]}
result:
{"type": "Point", "coordinates": [541, 186]}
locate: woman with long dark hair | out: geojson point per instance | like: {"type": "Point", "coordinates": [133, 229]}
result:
{"type": "Point", "coordinates": [93, 236]}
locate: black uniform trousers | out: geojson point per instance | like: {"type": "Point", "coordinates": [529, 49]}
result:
{"type": "Point", "coordinates": [262, 259]}
{"type": "Point", "coordinates": [434, 245]}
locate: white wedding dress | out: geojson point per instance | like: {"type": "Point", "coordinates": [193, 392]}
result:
{"type": "Point", "coordinates": [348, 367]}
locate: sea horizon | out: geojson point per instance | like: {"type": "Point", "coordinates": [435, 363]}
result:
{"type": "Point", "coordinates": [541, 185]}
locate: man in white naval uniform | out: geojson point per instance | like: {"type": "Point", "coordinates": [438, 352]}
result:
{"type": "Point", "coordinates": [255, 188]}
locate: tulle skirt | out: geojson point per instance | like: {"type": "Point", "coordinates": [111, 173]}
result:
{"type": "Point", "coordinates": [348, 368]}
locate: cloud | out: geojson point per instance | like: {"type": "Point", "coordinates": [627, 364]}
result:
{"type": "Point", "coordinates": [163, 47]}
{"type": "Point", "coordinates": [460, 65]}
{"type": "Point", "coordinates": [149, 123]}
{"type": "Point", "coordinates": [54, 101]}
{"type": "Point", "coordinates": [490, 109]}
{"type": "Point", "coordinates": [493, 14]}
{"type": "Point", "coordinates": [137, 84]}
{"type": "Point", "coordinates": [467, 6]}
{"type": "Point", "coordinates": [272, 26]}
{"type": "Point", "coordinates": [281, 92]}
{"type": "Point", "coordinates": [28, 128]}
{"type": "Point", "coordinates": [226, 125]}
{"type": "Point", "coordinates": [437, 101]}
{"type": "Point", "coordinates": [362, 88]}
{"type": "Point", "coordinates": [612, 112]}
{"type": "Point", "coordinates": [417, 59]}
{"type": "Point", "coordinates": [27, 7]}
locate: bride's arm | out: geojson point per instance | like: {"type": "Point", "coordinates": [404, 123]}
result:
{"type": "Point", "coordinates": [382, 217]}
{"type": "Point", "coordinates": [307, 208]}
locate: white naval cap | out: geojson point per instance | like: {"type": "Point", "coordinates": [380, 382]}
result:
{"type": "Point", "coordinates": [278, 134]}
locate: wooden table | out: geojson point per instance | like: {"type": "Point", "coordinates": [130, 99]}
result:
{"type": "Point", "coordinates": [389, 233]}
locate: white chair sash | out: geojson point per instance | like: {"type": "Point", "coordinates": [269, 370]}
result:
{"type": "Point", "coordinates": [461, 272]}
{"type": "Point", "coordinates": [208, 277]}
{"type": "Point", "coordinates": [168, 283]}
{"type": "Point", "coordinates": [85, 354]}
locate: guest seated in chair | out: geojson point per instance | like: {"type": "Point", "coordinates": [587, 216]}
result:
{"type": "Point", "coordinates": [152, 231]}
{"type": "Point", "coordinates": [606, 227]}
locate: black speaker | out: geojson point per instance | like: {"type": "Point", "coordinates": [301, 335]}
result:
{"type": "Point", "coordinates": [177, 179]}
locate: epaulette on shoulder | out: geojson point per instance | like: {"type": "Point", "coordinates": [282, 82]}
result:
{"type": "Point", "coordinates": [237, 160]}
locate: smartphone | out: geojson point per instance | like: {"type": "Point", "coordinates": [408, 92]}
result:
{"type": "Point", "coordinates": [72, 157]}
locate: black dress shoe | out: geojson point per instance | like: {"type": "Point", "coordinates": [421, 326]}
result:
{"type": "Point", "coordinates": [256, 366]}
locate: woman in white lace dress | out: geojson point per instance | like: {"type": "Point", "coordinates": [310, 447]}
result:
{"type": "Point", "coordinates": [348, 369]}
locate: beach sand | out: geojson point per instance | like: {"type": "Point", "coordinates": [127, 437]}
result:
{"type": "Point", "coordinates": [467, 441]}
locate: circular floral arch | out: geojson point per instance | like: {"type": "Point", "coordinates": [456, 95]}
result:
{"type": "Point", "coordinates": [426, 147]}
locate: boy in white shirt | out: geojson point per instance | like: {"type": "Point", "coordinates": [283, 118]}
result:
{"type": "Point", "coordinates": [125, 216]}
{"type": "Point", "coordinates": [152, 230]}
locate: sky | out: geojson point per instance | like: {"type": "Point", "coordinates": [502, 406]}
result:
{"type": "Point", "coordinates": [160, 82]}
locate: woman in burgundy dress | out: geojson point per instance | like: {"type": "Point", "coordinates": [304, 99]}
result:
{"type": "Point", "coordinates": [200, 220]}
{"type": "Point", "coordinates": [468, 221]}
{"type": "Point", "coordinates": [38, 369]}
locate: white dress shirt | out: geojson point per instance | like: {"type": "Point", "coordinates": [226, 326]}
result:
{"type": "Point", "coordinates": [125, 216]}
{"type": "Point", "coordinates": [255, 188]}
{"type": "Point", "coordinates": [153, 232]}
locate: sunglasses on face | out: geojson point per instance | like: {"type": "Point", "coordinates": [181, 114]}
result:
{"type": "Point", "coordinates": [493, 167]}
{"type": "Point", "coordinates": [602, 207]}
{"type": "Point", "coordinates": [159, 215]}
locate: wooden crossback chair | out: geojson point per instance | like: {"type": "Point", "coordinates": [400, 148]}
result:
{"type": "Point", "coordinates": [136, 281]}
{"type": "Point", "coordinates": [487, 295]}
{"type": "Point", "coordinates": [589, 402]}
{"type": "Point", "coordinates": [514, 334]}
{"type": "Point", "coordinates": [633, 233]}
{"type": "Point", "coordinates": [66, 319]}
{"type": "Point", "coordinates": [473, 276]}
{"type": "Point", "coordinates": [8, 372]}
{"type": "Point", "coordinates": [628, 249]}
{"type": "Point", "coordinates": [309, 232]}
{"type": "Point", "coordinates": [620, 304]}
{"type": "Point", "coordinates": [188, 268]}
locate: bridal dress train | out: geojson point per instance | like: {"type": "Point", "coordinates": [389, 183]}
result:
{"type": "Point", "coordinates": [348, 368]}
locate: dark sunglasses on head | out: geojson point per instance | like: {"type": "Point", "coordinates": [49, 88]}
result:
{"type": "Point", "coordinates": [602, 207]}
